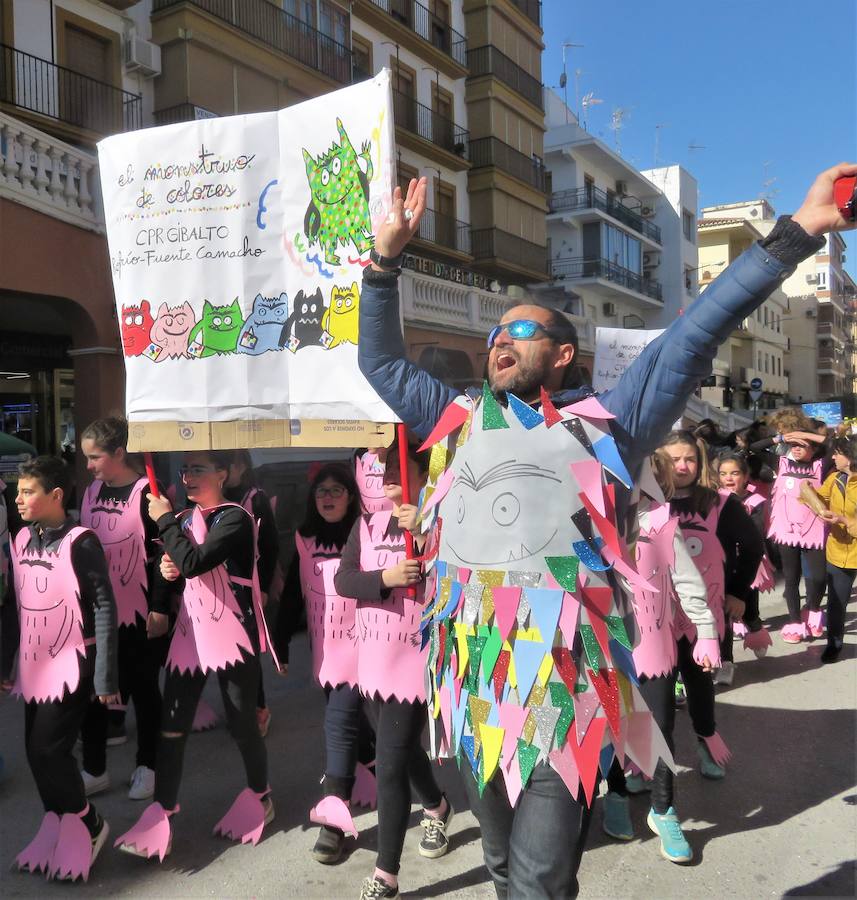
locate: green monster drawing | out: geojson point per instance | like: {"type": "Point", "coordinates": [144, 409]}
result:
{"type": "Point", "coordinates": [338, 212]}
{"type": "Point", "coordinates": [217, 330]}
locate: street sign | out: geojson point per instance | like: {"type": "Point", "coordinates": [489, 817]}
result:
{"type": "Point", "coordinates": [756, 384]}
{"type": "Point", "coordinates": [755, 394]}
{"type": "Point", "coordinates": [830, 413]}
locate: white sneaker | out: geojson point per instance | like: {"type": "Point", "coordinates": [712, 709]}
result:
{"type": "Point", "coordinates": [725, 674]}
{"type": "Point", "coordinates": [94, 784]}
{"type": "Point", "coordinates": [142, 784]}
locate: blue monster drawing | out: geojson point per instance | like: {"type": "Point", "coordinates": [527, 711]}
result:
{"type": "Point", "coordinates": [261, 331]}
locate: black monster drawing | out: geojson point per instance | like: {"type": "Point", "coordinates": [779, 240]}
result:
{"type": "Point", "coordinates": [303, 327]}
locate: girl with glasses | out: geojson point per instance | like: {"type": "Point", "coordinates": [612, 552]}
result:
{"type": "Point", "coordinates": [333, 506]}
{"type": "Point", "coordinates": [209, 569]}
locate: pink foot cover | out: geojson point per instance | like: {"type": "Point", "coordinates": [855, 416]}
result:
{"type": "Point", "coordinates": [334, 812]}
{"type": "Point", "coordinates": [815, 623]}
{"type": "Point", "coordinates": [720, 753]}
{"type": "Point", "coordinates": [152, 833]}
{"type": "Point", "coordinates": [365, 788]}
{"type": "Point", "coordinates": [36, 856]}
{"type": "Point", "coordinates": [245, 819]}
{"type": "Point", "coordinates": [739, 629]}
{"type": "Point", "coordinates": [794, 632]}
{"type": "Point", "coordinates": [757, 640]}
{"type": "Point", "coordinates": [204, 717]}
{"type": "Point", "coordinates": [72, 855]}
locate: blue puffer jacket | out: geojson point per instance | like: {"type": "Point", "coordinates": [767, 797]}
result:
{"type": "Point", "coordinates": [649, 397]}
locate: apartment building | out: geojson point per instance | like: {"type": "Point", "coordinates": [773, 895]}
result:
{"type": "Point", "coordinates": [468, 114]}
{"type": "Point", "coordinates": [757, 349]}
{"type": "Point", "coordinates": [618, 254]}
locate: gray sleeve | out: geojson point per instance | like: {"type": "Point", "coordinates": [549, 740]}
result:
{"type": "Point", "coordinates": [96, 593]}
{"type": "Point", "coordinates": [691, 591]}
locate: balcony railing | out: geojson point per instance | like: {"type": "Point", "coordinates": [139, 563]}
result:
{"type": "Point", "coordinates": [488, 60]}
{"type": "Point", "coordinates": [491, 151]}
{"type": "Point", "coordinates": [447, 231]}
{"type": "Point", "coordinates": [35, 84]}
{"type": "Point", "coordinates": [492, 243]}
{"type": "Point", "coordinates": [581, 267]}
{"type": "Point", "coordinates": [532, 9]}
{"type": "Point", "coordinates": [595, 198]}
{"type": "Point", "coordinates": [429, 125]}
{"type": "Point", "coordinates": [423, 22]}
{"type": "Point", "coordinates": [280, 30]}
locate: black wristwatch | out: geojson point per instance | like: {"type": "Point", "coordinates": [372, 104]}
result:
{"type": "Point", "coordinates": [386, 262]}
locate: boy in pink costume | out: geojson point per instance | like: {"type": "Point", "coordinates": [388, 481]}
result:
{"type": "Point", "coordinates": [333, 506]}
{"type": "Point", "coordinates": [369, 472]}
{"type": "Point", "coordinates": [114, 507]}
{"type": "Point", "coordinates": [391, 669]}
{"type": "Point", "coordinates": [800, 535]}
{"type": "Point", "coordinates": [210, 559]}
{"type": "Point", "coordinates": [67, 653]}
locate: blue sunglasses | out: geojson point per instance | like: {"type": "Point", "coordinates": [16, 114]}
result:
{"type": "Point", "coordinates": [521, 330]}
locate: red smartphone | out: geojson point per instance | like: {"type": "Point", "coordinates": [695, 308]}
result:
{"type": "Point", "coordinates": [845, 196]}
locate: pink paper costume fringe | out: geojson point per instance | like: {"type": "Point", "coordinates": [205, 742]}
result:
{"type": "Point", "coordinates": [766, 577]}
{"type": "Point", "coordinates": [365, 791]}
{"type": "Point", "coordinates": [709, 647]}
{"type": "Point", "coordinates": [72, 854]}
{"type": "Point", "coordinates": [51, 641]}
{"type": "Point", "coordinates": [795, 630]}
{"type": "Point", "coordinates": [792, 522]}
{"type": "Point", "coordinates": [334, 812]}
{"type": "Point", "coordinates": [245, 819]}
{"type": "Point", "coordinates": [720, 753]}
{"type": "Point", "coordinates": [152, 834]}
{"type": "Point", "coordinates": [815, 621]}
{"type": "Point", "coordinates": [757, 640]}
{"type": "Point", "coordinates": [204, 718]}
{"type": "Point", "coordinates": [37, 855]}
{"type": "Point", "coordinates": [739, 629]}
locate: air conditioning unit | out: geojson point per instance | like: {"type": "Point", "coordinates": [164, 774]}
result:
{"type": "Point", "coordinates": [647, 212]}
{"type": "Point", "coordinates": [622, 188]}
{"type": "Point", "coordinates": [650, 260]}
{"type": "Point", "coordinates": [609, 309]}
{"type": "Point", "coordinates": [812, 279]}
{"type": "Point", "coordinates": [810, 314]}
{"type": "Point", "coordinates": [142, 56]}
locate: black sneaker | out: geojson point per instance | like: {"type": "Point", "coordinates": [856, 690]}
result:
{"type": "Point", "coordinates": [435, 843]}
{"type": "Point", "coordinates": [376, 889]}
{"type": "Point", "coordinates": [328, 846]}
{"type": "Point", "coordinates": [831, 653]}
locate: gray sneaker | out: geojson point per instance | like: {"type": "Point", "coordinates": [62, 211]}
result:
{"type": "Point", "coordinates": [435, 842]}
{"type": "Point", "coordinates": [376, 889]}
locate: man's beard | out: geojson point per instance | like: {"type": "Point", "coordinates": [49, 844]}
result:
{"type": "Point", "coordinates": [525, 383]}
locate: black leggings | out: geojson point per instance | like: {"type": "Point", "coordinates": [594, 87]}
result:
{"type": "Point", "coordinates": [347, 738]}
{"type": "Point", "coordinates": [840, 583]}
{"type": "Point", "coordinates": [699, 688]}
{"type": "Point", "coordinates": [239, 687]}
{"type": "Point", "coordinates": [815, 579]}
{"type": "Point", "coordinates": [400, 763]}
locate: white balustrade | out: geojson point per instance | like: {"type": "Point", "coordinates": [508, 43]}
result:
{"type": "Point", "coordinates": [48, 175]}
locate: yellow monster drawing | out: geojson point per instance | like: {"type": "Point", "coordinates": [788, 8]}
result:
{"type": "Point", "coordinates": [340, 317]}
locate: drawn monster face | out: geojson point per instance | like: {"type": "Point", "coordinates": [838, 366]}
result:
{"type": "Point", "coordinates": [136, 327]}
{"type": "Point", "coordinates": [219, 327]}
{"type": "Point", "coordinates": [335, 174]}
{"type": "Point", "coordinates": [344, 313]}
{"type": "Point", "coordinates": [269, 311]}
{"type": "Point", "coordinates": [171, 329]}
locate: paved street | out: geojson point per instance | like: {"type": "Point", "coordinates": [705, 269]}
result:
{"type": "Point", "coordinates": [784, 822]}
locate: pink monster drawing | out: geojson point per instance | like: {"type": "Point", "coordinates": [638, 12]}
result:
{"type": "Point", "coordinates": [51, 625]}
{"type": "Point", "coordinates": [369, 473]}
{"type": "Point", "coordinates": [792, 522]}
{"type": "Point", "coordinates": [170, 330]}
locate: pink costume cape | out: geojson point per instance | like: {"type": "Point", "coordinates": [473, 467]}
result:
{"type": "Point", "coordinates": [210, 632]}
{"type": "Point", "coordinates": [52, 639]}
{"type": "Point", "coordinates": [390, 662]}
{"type": "Point", "coordinates": [764, 580]}
{"type": "Point", "coordinates": [330, 618]}
{"type": "Point", "coordinates": [655, 655]}
{"type": "Point", "coordinates": [122, 533]}
{"type": "Point", "coordinates": [700, 535]}
{"type": "Point", "coordinates": [793, 523]}
{"type": "Point", "coordinates": [369, 472]}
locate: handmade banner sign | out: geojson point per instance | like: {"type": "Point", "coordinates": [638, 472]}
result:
{"type": "Point", "coordinates": [528, 617]}
{"type": "Point", "coordinates": [237, 247]}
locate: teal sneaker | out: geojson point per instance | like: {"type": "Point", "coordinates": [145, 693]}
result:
{"type": "Point", "coordinates": [674, 845]}
{"type": "Point", "coordinates": [708, 768]}
{"type": "Point", "coordinates": [616, 819]}
{"type": "Point", "coordinates": [636, 784]}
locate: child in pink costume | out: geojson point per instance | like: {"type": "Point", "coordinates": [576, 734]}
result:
{"type": "Point", "coordinates": [800, 536]}
{"type": "Point", "coordinates": [663, 560]}
{"type": "Point", "coordinates": [67, 653]}
{"type": "Point", "coordinates": [734, 476]}
{"type": "Point", "coordinates": [210, 557]}
{"type": "Point", "coordinates": [391, 668]}
{"type": "Point", "coordinates": [333, 506]}
{"type": "Point", "coordinates": [727, 551]}
{"type": "Point", "coordinates": [114, 507]}
{"type": "Point", "coordinates": [369, 472]}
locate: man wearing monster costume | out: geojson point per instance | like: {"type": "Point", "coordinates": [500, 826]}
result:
{"type": "Point", "coordinates": [529, 651]}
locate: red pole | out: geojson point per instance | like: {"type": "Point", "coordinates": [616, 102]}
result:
{"type": "Point", "coordinates": [150, 474]}
{"type": "Point", "coordinates": [402, 438]}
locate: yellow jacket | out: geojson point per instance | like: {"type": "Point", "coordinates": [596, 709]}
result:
{"type": "Point", "coordinates": [841, 539]}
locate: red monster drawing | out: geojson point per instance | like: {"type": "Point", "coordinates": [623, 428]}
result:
{"type": "Point", "coordinates": [136, 324]}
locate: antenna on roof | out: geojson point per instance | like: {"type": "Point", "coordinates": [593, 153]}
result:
{"type": "Point", "coordinates": [694, 146]}
{"type": "Point", "coordinates": [589, 100]}
{"type": "Point", "coordinates": [617, 123]}
{"type": "Point", "coordinates": [768, 190]}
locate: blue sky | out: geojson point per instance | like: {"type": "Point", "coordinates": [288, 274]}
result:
{"type": "Point", "coordinates": [751, 81]}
